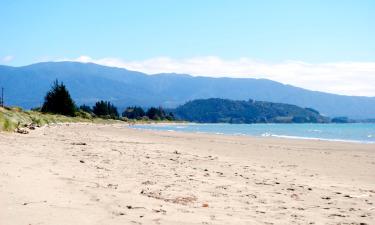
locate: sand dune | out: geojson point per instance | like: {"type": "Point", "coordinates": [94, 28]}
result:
{"type": "Point", "coordinates": [111, 174]}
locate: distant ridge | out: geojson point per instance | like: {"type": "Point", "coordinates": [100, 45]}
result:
{"type": "Point", "coordinates": [25, 86]}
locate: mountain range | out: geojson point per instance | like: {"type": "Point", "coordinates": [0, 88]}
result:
{"type": "Point", "coordinates": [87, 82]}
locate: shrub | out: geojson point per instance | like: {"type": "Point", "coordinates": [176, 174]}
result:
{"type": "Point", "coordinates": [83, 114]}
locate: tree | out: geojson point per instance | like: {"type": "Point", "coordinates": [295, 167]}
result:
{"type": "Point", "coordinates": [85, 108]}
{"type": "Point", "coordinates": [170, 116]}
{"type": "Point", "coordinates": [104, 108]}
{"type": "Point", "coordinates": [134, 112]}
{"type": "Point", "coordinates": [156, 113]}
{"type": "Point", "coordinates": [58, 100]}
{"type": "Point", "coordinates": [152, 113]}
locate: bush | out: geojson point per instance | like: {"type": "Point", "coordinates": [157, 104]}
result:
{"type": "Point", "coordinates": [58, 101]}
{"type": "Point", "coordinates": [36, 109]}
{"type": "Point", "coordinates": [7, 125]}
{"type": "Point", "coordinates": [83, 114]}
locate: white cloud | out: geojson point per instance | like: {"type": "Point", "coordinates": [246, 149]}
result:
{"type": "Point", "coordinates": [7, 58]}
{"type": "Point", "coordinates": [349, 78]}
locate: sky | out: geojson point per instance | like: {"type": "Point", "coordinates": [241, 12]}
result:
{"type": "Point", "coordinates": [319, 45]}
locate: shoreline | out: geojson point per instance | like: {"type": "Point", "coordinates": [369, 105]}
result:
{"type": "Point", "coordinates": [265, 135]}
{"type": "Point", "coordinates": [112, 174]}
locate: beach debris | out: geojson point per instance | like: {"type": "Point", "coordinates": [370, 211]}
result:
{"type": "Point", "coordinates": [27, 203]}
{"type": "Point", "coordinates": [326, 198]}
{"type": "Point", "coordinates": [295, 196]}
{"type": "Point", "coordinates": [251, 195]}
{"type": "Point", "coordinates": [81, 161]}
{"type": "Point", "coordinates": [220, 173]}
{"type": "Point", "coordinates": [119, 213]}
{"type": "Point", "coordinates": [31, 126]}
{"type": "Point", "coordinates": [182, 200]}
{"type": "Point", "coordinates": [205, 205]}
{"type": "Point", "coordinates": [21, 131]}
{"type": "Point", "coordinates": [337, 215]}
{"type": "Point", "coordinates": [113, 186]}
{"type": "Point", "coordinates": [79, 143]}
{"type": "Point", "coordinates": [133, 207]}
{"type": "Point", "coordinates": [160, 211]}
{"type": "Point", "coordinates": [148, 182]}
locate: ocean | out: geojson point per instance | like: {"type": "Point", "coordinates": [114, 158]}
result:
{"type": "Point", "coordinates": [348, 132]}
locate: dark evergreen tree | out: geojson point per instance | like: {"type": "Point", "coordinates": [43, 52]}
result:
{"type": "Point", "coordinates": [134, 113]}
{"type": "Point", "coordinates": [58, 101]}
{"type": "Point", "coordinates": [104, 108]}
{"type": "Point", "coordinates": [170, 116]}
{"type": "Point", "coordinates": [85, 108]}
{"type": "Point", "coordinates": [156, 113]}
{"type": "Point", "coordinates": [152, 113]}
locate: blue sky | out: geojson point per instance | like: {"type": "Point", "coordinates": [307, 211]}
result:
{"type": "Point", "coordinates": [272, 32]}
{"type": "Point", "coordinates": [314, 31]}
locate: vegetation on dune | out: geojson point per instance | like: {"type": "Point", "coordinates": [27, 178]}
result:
{"type": "Point", "coordinates": [13, 118]}
{"type": "Point", "coordinates": [59, 107]}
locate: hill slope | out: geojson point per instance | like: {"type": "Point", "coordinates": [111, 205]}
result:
{"type": "Point", "coordinates": [26, 86]}
{"type": "Point", "coordinates": [217, 110]}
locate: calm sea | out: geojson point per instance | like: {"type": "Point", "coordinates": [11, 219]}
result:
{"type": "Point", "coordinates": [351, 132]}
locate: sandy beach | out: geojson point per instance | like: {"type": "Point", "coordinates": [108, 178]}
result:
{"type": "Point", "coordinates": [112, 174]}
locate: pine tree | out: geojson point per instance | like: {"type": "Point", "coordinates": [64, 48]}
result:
{"type": "Point", "coordinates": [104, 108]}
{"type": "Point", "coordinates": [85, 108]}
{"type": "Point", "coordinates": [58, 100]}
{"type": "Point", "coordinates": [133, 112]}
{"type": "Point", "coordinates": [156, 113]}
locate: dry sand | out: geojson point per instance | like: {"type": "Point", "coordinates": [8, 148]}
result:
{"type": "Point", "coordinates": [111, 174]}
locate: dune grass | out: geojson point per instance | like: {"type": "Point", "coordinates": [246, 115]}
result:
{"type": "Point", "coordinates": [11, 118]}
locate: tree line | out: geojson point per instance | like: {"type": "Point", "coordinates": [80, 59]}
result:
{"type": "Point", "coordinates": [59, 101]}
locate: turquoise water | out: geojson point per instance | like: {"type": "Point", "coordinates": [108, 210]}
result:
{"type": "Point", "coordinates": [352, 132]}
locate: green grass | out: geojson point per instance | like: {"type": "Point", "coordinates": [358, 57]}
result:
{"type": "Point", "coordinates": [11, 118]}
